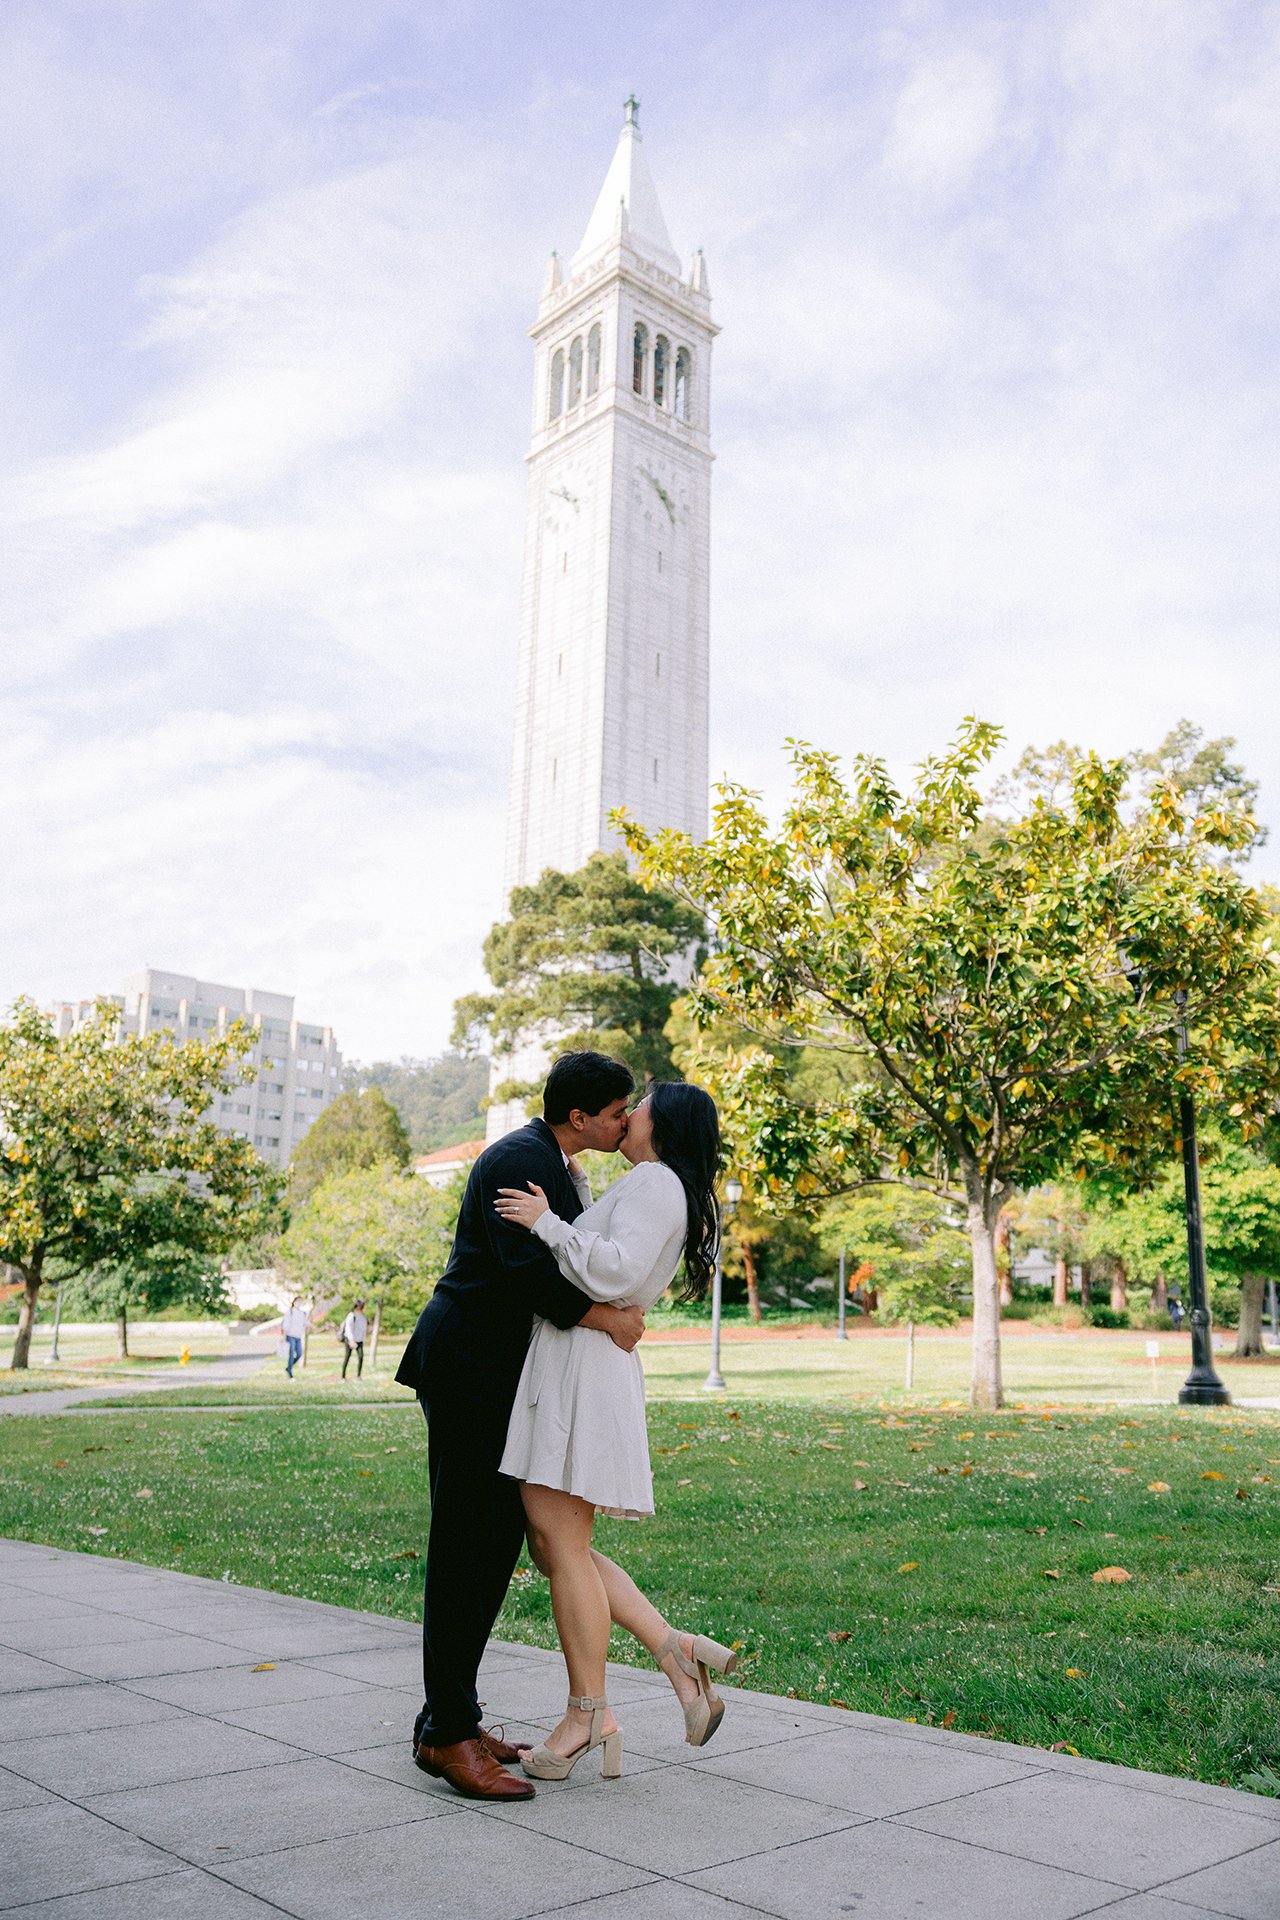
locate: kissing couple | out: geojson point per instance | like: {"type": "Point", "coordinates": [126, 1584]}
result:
{"type": "Point", "coordinates": [525, 1364]}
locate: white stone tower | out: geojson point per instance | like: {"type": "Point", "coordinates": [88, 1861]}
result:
{"type": "Point", "coordinates": [612, 675]}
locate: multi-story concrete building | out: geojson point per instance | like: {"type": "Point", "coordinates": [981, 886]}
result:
{"type": "Point", "coordinates": [612, 687]}
{"type": "Point", "coordinates": [295, 1069]}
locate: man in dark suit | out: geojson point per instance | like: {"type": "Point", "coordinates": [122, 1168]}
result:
{"type": "Point", "coordinates": [464, 1362]}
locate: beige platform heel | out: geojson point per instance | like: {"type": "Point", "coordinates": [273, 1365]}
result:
{"type": "Point", "coordinates": [540, 1763]}
{"type": "Point", "coordinates": [703, 1715]}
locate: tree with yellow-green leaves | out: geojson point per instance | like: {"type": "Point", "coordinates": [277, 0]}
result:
{"type": "Point", "coordinates": [106, 1154]}
{"type": "Point", "coordinates": [1006, 987]}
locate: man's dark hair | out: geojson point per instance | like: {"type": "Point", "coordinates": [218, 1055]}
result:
{"type": "Point", "coordinates": [587, 1081]}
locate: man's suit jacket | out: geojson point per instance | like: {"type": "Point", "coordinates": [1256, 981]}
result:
{"type": "Point", "coordinates": [480, 1317]}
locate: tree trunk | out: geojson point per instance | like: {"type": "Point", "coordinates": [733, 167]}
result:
{"type": "Point", "coordinates": [1086, 1285]}
{"type": "Point", "coordinates": [26, 1316]}
{"type": "Point", "coordinates": [753, 1283]}
{"type": "Point", "coordinates": [1249, 1333]}
{"type": "Point", "coordinates": [911, 1354]}
{"type": "Point", "coordinates": [986, 1389]}
{"type": "Point", "coordinates": [1160, 1295]}
{"type": "Point", "coordinates": [1060, 1279]}
{"type": "Point", "coordinates": [373, 1336]}
{"type": "Point", "coordinates": [1004, 1259]}
{"type": "Point", "coordinates": [122, 1334]}
{"type": "Point", "coordinates": [1119, 1288]}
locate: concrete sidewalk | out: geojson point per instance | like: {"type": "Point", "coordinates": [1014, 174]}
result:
{"type": "Point", "coordinates": [155, 1766]}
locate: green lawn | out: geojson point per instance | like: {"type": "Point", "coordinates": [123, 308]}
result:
{"type": "Point", "coordinates": [931, 1565]}
{"type": "Point", "coordinates": [1041, 1366]}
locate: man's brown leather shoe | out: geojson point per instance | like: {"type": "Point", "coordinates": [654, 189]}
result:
{"type": "Point", "coordinates": [471, 1769]}
{"type": "Point", "coordinates": [502, 1750]}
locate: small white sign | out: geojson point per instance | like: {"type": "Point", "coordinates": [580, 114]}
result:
{"type": "Point", "coordinates": [1153, 1349]}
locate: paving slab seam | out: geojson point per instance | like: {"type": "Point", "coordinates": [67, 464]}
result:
{"type": "Point", "coordinates": [1213, 1913]}
{"type": "Point", "coordinates": [184, 1862]}
{"type": "Point", "coordinates": [1126, 1888]}
{"type": "Point", "coordinates": [151, 1879]}
{"type": "Point", "coordinates": [1209, 1867]}
{"type": "Point", "coordinates": [487, 1811]}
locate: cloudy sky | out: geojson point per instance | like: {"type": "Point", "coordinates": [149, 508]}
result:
{"type": "Point", "coordinates": [995, 410]}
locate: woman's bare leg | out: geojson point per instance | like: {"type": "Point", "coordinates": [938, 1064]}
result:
{"type": "Point", "coordinates": [560, 1542]}
{"type": "Point", "coordinates": [634, 1611]}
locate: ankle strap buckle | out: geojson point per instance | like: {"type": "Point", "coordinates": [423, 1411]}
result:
{"type": "Point", "coordinates": [588, 1703]}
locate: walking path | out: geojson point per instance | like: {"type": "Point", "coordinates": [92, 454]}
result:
{"type": "Point", "coordinates": [228, 1369]}
{"type": "Point", "coordinates": [177, 1749]}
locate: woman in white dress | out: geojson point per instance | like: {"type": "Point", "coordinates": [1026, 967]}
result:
{"type": "Point", "coordinates": [578, 1442]}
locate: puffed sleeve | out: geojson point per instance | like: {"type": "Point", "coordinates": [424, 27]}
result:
{"type": "Point", "coordinates": [649, 1213]}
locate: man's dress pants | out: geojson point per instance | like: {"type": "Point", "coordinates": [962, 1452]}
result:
{"type": "Point", "coordinates": [477, 1529]}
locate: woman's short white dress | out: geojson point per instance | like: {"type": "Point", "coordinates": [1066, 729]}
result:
{"type": "Point", "coordinates": [578, 1421]}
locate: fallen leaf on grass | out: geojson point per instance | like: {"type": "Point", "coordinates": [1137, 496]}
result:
{"type": "Point", "coordinates": [1039, 1530]}
{"type": "Point", "coordinates": [830, 1446]}
{"type": "Point", "coordinates": [859, 1486]}
{"type": "Point", "coordinates": [1064, 1746]}
{"type": "Point", "coordinates": [1158, 1486]}
{"type": "Point", "coordinates": [965, 1472]}
{"type": "Point", "coordinates": [908, 1566]}
{"type": "Point", "coordinates": [1211, 1475]}
{"type": "Point", "coordinates": [838, 1638]}
{"type": "Point", "coordinates": [1074, 1673]}
{"type": "Point", "coordinates": [144, 1493]}
{"type": "Point", "coordinates": [1242, 1493]}
{"type": "Point", "coordinates": [59, 1463]}
{"type": "Point", "coordinates": [684, 1483]}
{"type": "Point", "coordinates": [93, 1449]}
{"type": "Point", "coordinates": [949, 1717]}
{"type": "Point", "coordinates": [1111, 1576]}
{"type": "Point", "coordinates": [1075, 1523]}
{"type": "Point", "coordinates": [410, 1553]}
{"type": "Point", "coordinates": [363, 1473]}
{"type": "Point", "coordinates": [1051, 1573]}
{"type": "Point", "coordinates": [97, 1531]}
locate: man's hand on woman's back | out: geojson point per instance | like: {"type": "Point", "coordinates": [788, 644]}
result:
{"type": "Point", "coordinates": [624, 1325]}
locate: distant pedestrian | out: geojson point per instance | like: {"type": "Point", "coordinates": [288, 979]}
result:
{"type": "Point", "coordinates": [354, 1328]}
{"type": "Point", "coordinates": [293, 1328]}
{"type": "Point", "coordinates": [1175, 1311]}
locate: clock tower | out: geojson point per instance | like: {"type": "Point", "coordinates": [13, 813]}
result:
{"type": "Point", "coordinates": [612, 673]}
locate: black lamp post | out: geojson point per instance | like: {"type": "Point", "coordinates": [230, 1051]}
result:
{"type": "Point", "coordinates": [1202, 1387]}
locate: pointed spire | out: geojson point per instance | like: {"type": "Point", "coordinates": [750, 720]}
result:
{"type": "Point", "coordinates": [630, 181]}
{"type": "Point", "coordinates": [553, 275]}
{"type": "Point", "coordinates": [698, 276]}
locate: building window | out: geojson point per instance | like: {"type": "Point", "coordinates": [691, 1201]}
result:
{"type": "Point", "coordinates": [593, 360]}
{"type": "Point", "coordinates": [575, 373]}
{"type": "Point", "coordinates": [640, 361]}
{"type": "Point", "coordinates": [555, 405]}
{"type": "Point", "coordinates": [661, 355]}
{"type": "Point", "coordinates": [684, 380]}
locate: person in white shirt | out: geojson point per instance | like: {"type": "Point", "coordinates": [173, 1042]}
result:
{"type": "Point", "coordinates": [293, 1329]}
{"type": "Point", "coordinates": [354, 1328]}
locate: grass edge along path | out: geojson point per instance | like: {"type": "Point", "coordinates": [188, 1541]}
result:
{"type": "Point", "coordinates": [938, 1566]}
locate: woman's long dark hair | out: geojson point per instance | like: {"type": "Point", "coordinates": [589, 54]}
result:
{"type": "Point", "coordinates": [686, 1138]}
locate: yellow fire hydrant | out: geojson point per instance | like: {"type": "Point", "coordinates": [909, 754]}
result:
{"type": "Point", "coordinates": [184, 1358]}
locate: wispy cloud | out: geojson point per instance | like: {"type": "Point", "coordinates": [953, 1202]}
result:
{"type": "Point", "coordinates": [994, 404]}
